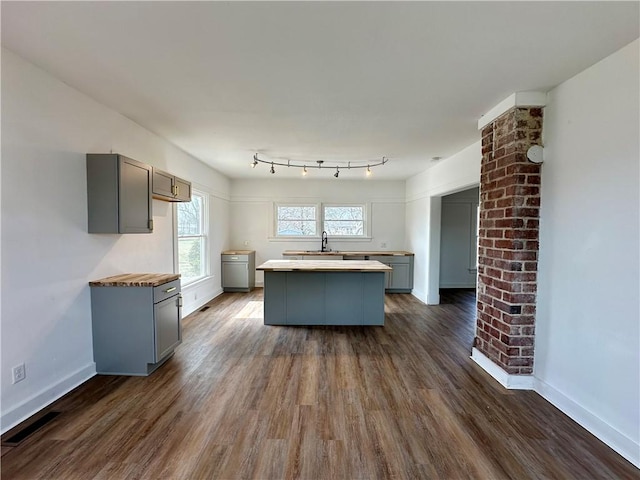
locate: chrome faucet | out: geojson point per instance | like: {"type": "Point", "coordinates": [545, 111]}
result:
{"type": "Point", "coordinates": [324, 242]}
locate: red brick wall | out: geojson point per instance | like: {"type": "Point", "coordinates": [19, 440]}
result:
{"type": "Point", "coordinates": [508, 240]}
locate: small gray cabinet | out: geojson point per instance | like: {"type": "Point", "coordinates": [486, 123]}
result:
{"type": "Point", "coordinates": [238, 271]}
{"type": "Point", "coordinates": [400, 279]}
{"type": "Point", "coordinates": [118, 194]}
{"type": "Point", "coordinates": [135, 328]}
{"type": "Point", "coordinates": [169, 187]}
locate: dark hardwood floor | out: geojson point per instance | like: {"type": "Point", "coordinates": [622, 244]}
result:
{"type": "Point", "coordinates": [241, 400]}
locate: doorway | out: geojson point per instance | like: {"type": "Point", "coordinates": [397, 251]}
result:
{"type": "Point", "coordinates": [459, 239]}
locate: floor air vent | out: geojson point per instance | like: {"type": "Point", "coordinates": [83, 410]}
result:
{"type": "Point", "coordinates": [17, 438]}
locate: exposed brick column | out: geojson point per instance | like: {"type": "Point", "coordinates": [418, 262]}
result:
{"type": "Point", "coordinates": [508, 240]}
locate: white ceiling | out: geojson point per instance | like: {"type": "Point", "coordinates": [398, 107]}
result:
{"type": "Point", "coordinates": [339, 81]}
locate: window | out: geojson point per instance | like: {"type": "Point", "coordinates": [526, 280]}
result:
{"type": "Point", "coordinates": [192, 238]}
{"type": "Point", "coordinates": [309, 220]}
{"type": "Point", "coordinates": [296, 221]}
{"type": "Point", "coordinates": [344, 220]}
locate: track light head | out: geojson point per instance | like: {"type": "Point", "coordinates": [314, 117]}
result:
{"type": "Point", "coordinates": [273, 170]}
{"type": "Point", "coordinates": [337, 174]}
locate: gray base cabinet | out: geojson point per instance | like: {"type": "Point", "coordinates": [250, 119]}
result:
{"type": "Point", "coordinates": [135, 329]}
{"type": "Point", "coordinates": [323, 298]}
{"type": "Point", "coordinates": [118, 194]}
{"type": "Point", "coordinates": [239, 271]}
{"type": "Point", "coordinates": [400, 280]}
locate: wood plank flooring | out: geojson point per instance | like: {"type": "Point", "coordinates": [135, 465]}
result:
{"type": "Point", "coordinates": [244, 400]}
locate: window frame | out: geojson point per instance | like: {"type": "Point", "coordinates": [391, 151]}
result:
{"type": "Point", "coordinates": [274, 224]}
{"type": "Point", "coordinates": [205, 235]}
{"type": "Point", "coordinates": [365, 220]}
{"type": "Point", "coordinates": [320, 214]}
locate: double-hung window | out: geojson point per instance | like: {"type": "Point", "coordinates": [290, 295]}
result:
{"type": "Point", "coordinates": [297, 220]}
{"type": "Point", "coordinates": [192, 224]}
{"type": "Point", "coordinates": [344, 220]}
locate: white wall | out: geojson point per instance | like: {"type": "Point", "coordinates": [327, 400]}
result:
{"type": "Point", "coordinates": [252, 213]}
{"type": "Point", "coordinates": [587, 323]}
{"type": "Point", "coordinates": [423, 210]}
{"type": "Point", "coordinates": [48, 257]}
{"type": "Point", "coordinates": [458, 250]}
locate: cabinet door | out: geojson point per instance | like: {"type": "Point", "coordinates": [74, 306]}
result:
{"type": "Point", "coordinates": [235, 275]}
{"type": "Point", "coordinates": [183, 190]}
{"type": "Point", "coordinates": [400, 277]}
{"type": "Point", "coordinates": [134, 209]}
{"type": "Point", "coordinates": [162, 184]}
{"type": "Point", "coordinates": [167, 332]}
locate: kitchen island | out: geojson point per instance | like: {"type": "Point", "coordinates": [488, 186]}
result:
{"type": "Point", "coordinates": [324, 292]}
{"type": "Point", "coordinates": [397, 280]}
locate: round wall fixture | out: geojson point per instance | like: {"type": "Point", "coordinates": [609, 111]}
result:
{"type": "Point", "coordinates": [535, 154]}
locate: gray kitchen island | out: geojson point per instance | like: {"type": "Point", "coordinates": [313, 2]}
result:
{"type": "Point", "coordinates": [324, 292]}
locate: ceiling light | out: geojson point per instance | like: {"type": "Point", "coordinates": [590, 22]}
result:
{"type": "Point", "coordinates": [320, 164]}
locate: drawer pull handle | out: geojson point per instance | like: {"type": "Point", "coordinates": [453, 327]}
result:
{"type": "Point", "coordinates": [169, 290]}
{"type": "Point", "coordinates": [234, 258]}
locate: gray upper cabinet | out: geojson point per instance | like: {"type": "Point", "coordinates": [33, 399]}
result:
{"type": "Point", "coordinates": [118, 194]}
{"type": "Point", "coordinates": [170, 188]}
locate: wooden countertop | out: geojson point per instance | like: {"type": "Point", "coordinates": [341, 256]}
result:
{"type": "Point", "coordinates": [136, 280]}
{"type": "Point", "coordinates": [324, 266]}
{"type": "Point", "coordinates": [238, 252]}
{"type": "Point", "coordinates": [342, 253]}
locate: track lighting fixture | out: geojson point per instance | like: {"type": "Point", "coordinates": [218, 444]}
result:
{"type": "Point", "coordinates": [320, 165]}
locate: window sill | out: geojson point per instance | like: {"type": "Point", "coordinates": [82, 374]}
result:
{"type": "Point", "coordinates": [196, 282]}
{"type": "Point", "coordinates": [318, 239]}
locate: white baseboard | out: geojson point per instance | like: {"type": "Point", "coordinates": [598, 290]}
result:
{"type": "Point", "coordinates": [433, 299]}
{"type": "Point", "coordinates": [512, 382]}
{"type": "Point", "coordinates": [618, 441]}
{"type": "Point", "coordinates": [615, 439]}
{"type": "Point", "coordinates": [191, 303]}
{"type": "Point", "coordinates": [45, 397]}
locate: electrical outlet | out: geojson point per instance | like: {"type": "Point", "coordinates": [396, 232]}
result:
{"type": "Point", "coordinates": [246, 243]}
{"type": "Point", "coordinates": [19, 373]}
{"type": "Point", "coordinates": [383, 245]}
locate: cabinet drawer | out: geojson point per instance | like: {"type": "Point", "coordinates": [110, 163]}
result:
{"type": "Point", "coordinates": [166, 290]}
{"type": "Point", "coordinates": [389, 259]}
{"type": "Point", "coordinates": [235, 258]}
{"type": "Point", "coordinates": [399, 259]}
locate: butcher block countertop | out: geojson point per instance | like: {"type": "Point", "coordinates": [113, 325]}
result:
{"type": "Point", "coordinates": [346, 253]}
{"type": "Point", "coordinates": [136, 280]}
{"type": "Point", "coordinates": [324, 266]}
{"type": "Point", "coordinates": [238, 252]}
